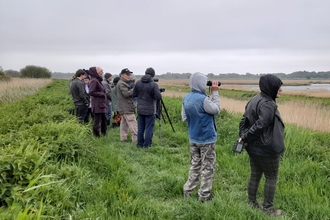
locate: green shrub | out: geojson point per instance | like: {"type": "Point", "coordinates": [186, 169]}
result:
{"type": "Point", "coordinates": [31, 71]}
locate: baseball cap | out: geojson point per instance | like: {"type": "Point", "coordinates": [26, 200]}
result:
{"type": "Point", "coordinates": [126, 71]}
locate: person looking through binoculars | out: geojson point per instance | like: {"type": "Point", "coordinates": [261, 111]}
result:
{"type": "Point", "coordinates": [199, 111]}
{"type": "Point", "coordinates": [147, 93]}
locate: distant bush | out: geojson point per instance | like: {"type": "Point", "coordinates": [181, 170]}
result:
{"type": "Point", "coordinates": [3, 76]}
{"type": "Point", "coordinates": [35, 72]}
{"type": "Point", "coordinates": [12, 73]}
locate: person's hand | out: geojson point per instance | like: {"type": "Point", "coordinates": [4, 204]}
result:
{"type": "Point", "coordinates": [215, 86]}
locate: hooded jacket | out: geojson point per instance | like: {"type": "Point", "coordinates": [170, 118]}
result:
{"type": "Point", "coordinates": [147, 92]}
{"type": "Point", "coordinates": [262, 126]}
{"type": "Point", "coordinates": [125, 97]}
{"type": "Point", "coordinates": [199, 110]}
{"type": "Point", "coordinates": [96, 92]}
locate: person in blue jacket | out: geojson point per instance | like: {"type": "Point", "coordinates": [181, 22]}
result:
{"type": "Point", "coordinates": [198, 110]}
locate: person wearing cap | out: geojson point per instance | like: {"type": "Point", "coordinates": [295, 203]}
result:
{"type": "Point", "coordinates": [107, 88]}
{"type": "Point", "coordinates": [99, 101]}
{"type": "Point", "coordinates": [79, 95]}
{"type": "Point", "coordinates": [262, 131]}
{"type": "Point", "coordinates": [126, 106]}
{"type": "Point", "coordinates": [147, 92]}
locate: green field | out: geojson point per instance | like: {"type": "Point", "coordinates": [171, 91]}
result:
{"type": "Point", "coordinates": [53, 168]}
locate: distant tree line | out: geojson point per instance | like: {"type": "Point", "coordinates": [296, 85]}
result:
{"type": "Point", "coordinates": [41, 72]}
{"type": "Point", "coordinates": [29, 71]}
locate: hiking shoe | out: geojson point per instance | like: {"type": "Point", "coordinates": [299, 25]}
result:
{"type": "Point", "coordinates": [273, 212]}
{"type": "Point", "coordinates": [255, 205]}
{"type": "Point", "coordinates": [209, 198]}
{"type": "Point", "coordinates": [186, 195]}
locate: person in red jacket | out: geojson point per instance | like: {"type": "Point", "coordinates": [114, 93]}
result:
{"type": "Point", "coordinates": [98, 101]}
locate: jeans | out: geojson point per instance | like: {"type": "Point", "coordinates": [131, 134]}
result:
{"type": "Point", "coordinates": [146, 125]}
{"type": "Point", "coordinates": [109, 113]}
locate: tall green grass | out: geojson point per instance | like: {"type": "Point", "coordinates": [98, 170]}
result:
{"type": "Point", "coordinates": [53, 168]}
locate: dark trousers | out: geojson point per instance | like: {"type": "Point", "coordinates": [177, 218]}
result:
{"type": "Point", "coordinates": [146, 125]}
{"type": "Point", "coordinates": [100, 120]}
{"type": "Point", "coordinates": [269, 167]}
{"type": "Point", "coordinates": [81, 113]}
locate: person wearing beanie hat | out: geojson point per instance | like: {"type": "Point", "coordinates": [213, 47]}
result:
{"type": "Point", "coordinates": [126, 106]}
{"type": "Point", "coordinates": [147, 93]}
{"type": "Point", "coordinates": [261, 129]}
{"type": "Point", "coordinates": [107, 88]}
{"type": "Point", "coordinates": [150, 71]}
{"type": "Point", "coordinates": [98, 101]}
{"type": "Point", "coordinates": [199, 111]}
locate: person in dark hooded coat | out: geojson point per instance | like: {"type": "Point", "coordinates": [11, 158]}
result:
{"type": "Point", "coordinates": [99, 101]}
{"type": "Point", "coordinates": [147, 93]}
{"type": "Point", "coordinates": [262, 131]}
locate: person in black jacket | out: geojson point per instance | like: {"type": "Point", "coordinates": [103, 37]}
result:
{"type": "Point", "coordinates": [147, 93]}
{"type": "Point", "coordinates": [262, 131]}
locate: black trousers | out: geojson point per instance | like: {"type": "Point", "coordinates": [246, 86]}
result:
{"type": "Point", "coordinates": [100, 120]}
{"type": "Point", "coordinates": [268, 166]}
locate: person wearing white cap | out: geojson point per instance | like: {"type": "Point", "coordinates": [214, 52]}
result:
{"type": "Point", "coordinates": [126, 106]}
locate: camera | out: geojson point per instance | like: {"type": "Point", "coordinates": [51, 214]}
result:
{"type": "Point", "coordinates": [238, 146]}
{"type": "Point", "coordinates": [161, 89]}
{"type": "Point", "coordinates": [156, 80]}
{"type": "Point", "coordinates": [209, 83]}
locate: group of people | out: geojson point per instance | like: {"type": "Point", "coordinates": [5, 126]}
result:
{"type": "Point", "coordinates": [261, 129]}
{"type": "Point", "coordinates": [94, 91]}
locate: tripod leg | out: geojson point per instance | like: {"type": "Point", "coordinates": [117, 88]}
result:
{"type": "Point", "coordinates": [168, 117]}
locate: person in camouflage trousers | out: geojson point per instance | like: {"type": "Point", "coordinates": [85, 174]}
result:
{"type": "Point", "coordinates": [198, 111]}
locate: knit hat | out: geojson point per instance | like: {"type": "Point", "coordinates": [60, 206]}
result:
{"type": "Point", "coordinates": [107, 75]}
{"type": "Point", "coordinates": [115, 80]}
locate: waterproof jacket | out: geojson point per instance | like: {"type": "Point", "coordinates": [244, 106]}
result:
{"type": "Point", "coordinates": [262, 126]}
{"type": "Point", "coordinates": [107, 89]}
{"type": "Point", "coordinates": [125, 97]}
{"type": "Point", "coordinates": [96, 92]}
{"type": "Point", "coordinates": [78, 92]}
{"type": "Point", "coordinates": [114, 98]}
{"type": "Point", "coordinates": [147, 93]}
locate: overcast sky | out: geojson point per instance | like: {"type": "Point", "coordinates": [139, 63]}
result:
{"type": "Point", "coordinates": [178, 36]}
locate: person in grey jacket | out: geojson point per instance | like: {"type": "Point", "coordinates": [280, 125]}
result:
{"type": "Point", "coordinates": [79, 95]}
{"type": "Point", "coordinates": [106, 82]}
{"type": "Point", "coordinates": [262, 130]}
{"type": "Point", "coordinates": [147, 93]}
{"type": "Point", "coordinates": [126, 106]}
{"type": "Point", "coordinates": [199, 111]}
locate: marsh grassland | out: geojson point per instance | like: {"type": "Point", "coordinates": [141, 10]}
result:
{"type": "Point", "coordinates": [311, 114]}
{"type": "Point", "coordinates": [53, 168]}
{"type": "Point", "coordinates": [17, 88]}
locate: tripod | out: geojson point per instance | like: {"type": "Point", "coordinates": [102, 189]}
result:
{"type": "Point", "coordinates": [159, 115]}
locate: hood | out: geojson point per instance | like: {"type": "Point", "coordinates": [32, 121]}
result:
{"type": "Point", "coordinates": [269, 84]}
{"type": "Point", "coordinates": [93, 73]}
{"type": "Point", "coordinates": [197, 82]}
{"type": "Point", "coordinates": [146, 78]}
